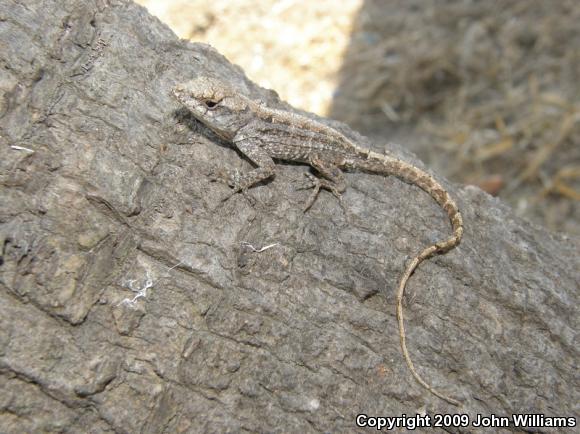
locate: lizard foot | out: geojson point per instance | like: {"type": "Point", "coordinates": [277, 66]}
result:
{"type": "Point", "coordinates": [224, 198]}
{"type": "Point", "coordinates": [229, 177]}
{"type": "Point", "coordinates": [316, 184]}
{"type": "Point", "coordinates": [244, 192]}
{"type": "Point", "coordinates": [232, 179]}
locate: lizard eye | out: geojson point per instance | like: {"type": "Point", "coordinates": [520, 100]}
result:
{"type": "Point", "coordinates": [210, 104]}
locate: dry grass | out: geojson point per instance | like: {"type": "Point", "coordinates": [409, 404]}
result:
{"type": "Point", "coordinates": [497, 85]}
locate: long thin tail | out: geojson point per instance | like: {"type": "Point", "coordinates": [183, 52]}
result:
{"type": "Point", "coordinates": [428, 252]}
{"type": "Point", "coordinates": [441, 196]}
{"type": "Point", "coordinates": [377, 163]}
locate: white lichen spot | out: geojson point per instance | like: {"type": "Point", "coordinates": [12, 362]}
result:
{"type": "Point", "coordinates": [141, 289]}
{"type": "Point", "coordinates": [140, 292]}
{"type": "Point", "coordinates": [313, 404]}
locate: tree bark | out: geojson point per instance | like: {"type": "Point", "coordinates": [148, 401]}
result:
{"type": "Point", "coordinates": [130, 301]}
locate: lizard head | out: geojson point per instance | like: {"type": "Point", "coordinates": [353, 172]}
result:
{"type": "Point", "coordinates": [214, 103]}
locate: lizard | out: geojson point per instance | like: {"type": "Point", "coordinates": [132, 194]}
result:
{"type": "Point", "coordinates": [265, 134]}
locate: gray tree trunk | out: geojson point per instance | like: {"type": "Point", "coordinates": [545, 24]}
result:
{"type": "Point", "coordinates": [130, 303]}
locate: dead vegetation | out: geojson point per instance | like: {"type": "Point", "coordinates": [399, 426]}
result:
{"type": "Point", "coordinates": [496, 85]}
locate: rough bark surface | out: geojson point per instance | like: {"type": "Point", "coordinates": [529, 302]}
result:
{"type": "Point", "coordinates": [104, 192]}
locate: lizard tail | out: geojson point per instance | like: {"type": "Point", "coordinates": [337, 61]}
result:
{"type": "Point", "coordinates": [428, 252]}
{"type": "Point", "coordinates": [437, 192]}
{"type": "Point", "coordinates": [375, 163]}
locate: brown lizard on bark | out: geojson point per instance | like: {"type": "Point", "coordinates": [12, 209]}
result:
{"type": "Point", "coordinates": [263, 134]}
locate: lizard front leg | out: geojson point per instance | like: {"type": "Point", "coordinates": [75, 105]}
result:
{"type": "Point", "coordinates": [240, 182]}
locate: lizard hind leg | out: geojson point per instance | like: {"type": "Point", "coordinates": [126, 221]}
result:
{"type": "Point", "coordinates": [333, 180]}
